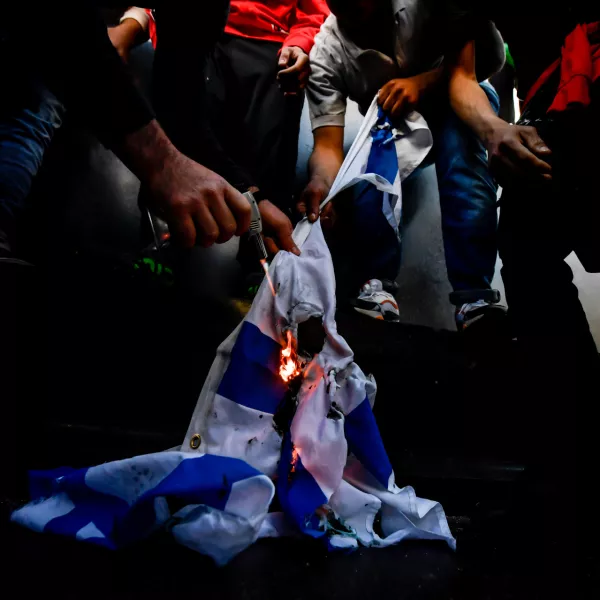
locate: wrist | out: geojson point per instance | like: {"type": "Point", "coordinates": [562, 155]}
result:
{"type": "Point", "coordinates": [322, 180]}
{"type": "Point", "coordinates": [490, 127]}
{"type": "Point", "coordinates": [148, 151]}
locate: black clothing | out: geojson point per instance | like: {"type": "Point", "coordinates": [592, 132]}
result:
{"type": "Point", "coordinates": [256, 124]}
{"type": "Point", "coordinates": [68, 47]}
{"type": "Point", "coordinates": [534, 29]}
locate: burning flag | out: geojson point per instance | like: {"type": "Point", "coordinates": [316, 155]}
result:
{"type": "Point", "coordinates": [265, 422]}
{"type": "Point", "coordinates": [289, 359]}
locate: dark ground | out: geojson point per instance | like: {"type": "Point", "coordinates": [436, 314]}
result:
{"type": "Point", "coordinates": [110, 365]}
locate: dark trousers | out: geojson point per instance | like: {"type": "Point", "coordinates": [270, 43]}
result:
{"type": "Point", "coordinates": [540, 225]}
{"type": "Point", "coordinates": [255, 123]}
{"type": "Point", "coordinates": [180, 87]}
{"type": "Point", "coordinates": [558, 367]}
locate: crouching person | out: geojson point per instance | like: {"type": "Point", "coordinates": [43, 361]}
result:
{"type": "Point", "coordinates": [366, 47]}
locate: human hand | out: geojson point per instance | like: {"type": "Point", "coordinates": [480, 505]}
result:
{"type": "Point", "coordinates": [124, 36]}
{"type": "Point", "coordinates": [310, 202]}
{"type": "Point", "coordinates": [199, 206]}
{"type": "Point", "coordinates": [313, 195]}
{"type": "Point", "coordinates": [400, 96]}
{"type": "Point", "coordinates": [277, 229]}
{"type": "Point", "coordinates": [295, 69]}
{"type": "Point", "coordinates": [518, 151]}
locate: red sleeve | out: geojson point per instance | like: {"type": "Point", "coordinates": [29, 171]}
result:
{"type": "Point", "coordinates": [151, 27]}
{"type": "Point", "coordinates": [306, 22]}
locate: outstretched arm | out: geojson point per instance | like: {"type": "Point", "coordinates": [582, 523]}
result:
{"type": "Point", "coordinates": [513, 150]}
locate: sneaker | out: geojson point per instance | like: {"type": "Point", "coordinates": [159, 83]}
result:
{"type": "Point", "coordinates": [376, 303]}
{"type": "Point", "coordinates": [480, 312]}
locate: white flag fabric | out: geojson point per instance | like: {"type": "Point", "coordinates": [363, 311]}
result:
{"type": "Point", "coordinates": [319, 454]}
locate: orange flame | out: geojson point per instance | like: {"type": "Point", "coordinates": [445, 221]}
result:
{"type": "Point", "coordinates": [265, 266]}
{"type": "Point", "coordinates": [289, 363]}
{"type": "Point", "coordinates": [295, 457]}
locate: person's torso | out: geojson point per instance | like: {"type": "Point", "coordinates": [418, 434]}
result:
{"type": "Point", "coordinates": [266, 19]}
{"type": "Point", "coordinates": [416, 46]}
{"type": "Point", "coordinates": [535, 33]}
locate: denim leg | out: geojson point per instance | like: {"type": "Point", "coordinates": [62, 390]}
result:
{"type": "Point", "coordinates": [26, 130]}
{"type": "Point", "coordinates": [468, 201]}
{"type": "Point", "coordinates": [363, 244]}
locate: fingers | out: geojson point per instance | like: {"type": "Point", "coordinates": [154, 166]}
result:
{"type": "Point", "coordinates": [207, 227]}
{"type": "Point", "coordinates": [240, 207]}
{"type": "Point", "coordinates": [283, 233]}
{"type": "Point", "coordinates": [300, 65]}
{"type": "Point", "coordinates": [270, 245]}
{"type": "Point", "coordinates": [385, 92]}
{"type": "Point", "coordinates": [399, 108]}
{"type": "Point", "coordinates": [393, 99]}
{"type": "Point", "coordinates": [520, 153]}
{"type": "Point", "coordinates": [310, 204]}
{"type": "Point", "coordinates": [284, 56]}
{"type": "Point", "coordinates": [277, 226]}
{"type": "Point", "coordinates": [328, 216]}
{"type": "Point", "coordinates": [225, 223]}
{"type": "Point", "coordinates": [183, 230]}
{"type": "Point", "coordinates": [541, 151]}
{"type": "Point", "coordinates": [534, 142]}
{"type": "Point", "coordinates": [527, 160]}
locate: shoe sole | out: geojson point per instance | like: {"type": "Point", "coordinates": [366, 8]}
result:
{"type": "Point", "coordinates": [388, 317]}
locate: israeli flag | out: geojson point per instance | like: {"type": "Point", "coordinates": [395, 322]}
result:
{"type": "Point", "coordinates": [324, 459]}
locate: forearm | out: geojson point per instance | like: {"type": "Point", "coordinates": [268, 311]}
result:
{"type": "Point", "coordinates": [325, 163]}
{"type": "Point", "coordinates": [146, 151]}
{"type": "Point", "coordinates": [128, 34]}
{"type": "Point", "coordinates": [430, 80]}
{"type": "Point", "coordinates": [472, 106]}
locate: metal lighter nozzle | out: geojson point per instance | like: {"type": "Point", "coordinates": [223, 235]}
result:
{"type": "Point", "coordinates": [255, 230]}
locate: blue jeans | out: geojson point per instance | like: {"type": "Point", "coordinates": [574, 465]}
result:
{"type": "Point", "coordinates": [27, 125]}
{"type": "Point", "coordinates": [468, 196]}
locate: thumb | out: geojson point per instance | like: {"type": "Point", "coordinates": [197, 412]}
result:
{"type": "Point", "coordinates": [284, 57]}
{"type": "Point", "coordinates": [277, 225]}
{"type": "Point", "coordinates": [311, 200]}
{"type": "Point", "coordinates": [536, 144]}
{"type": "Point", "coordinates": [284, 237]}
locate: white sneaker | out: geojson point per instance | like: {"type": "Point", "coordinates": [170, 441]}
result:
{"type": "Point", "coordinates": [491, 314]}
{"type": "Point", "coordinates": [376, 303]}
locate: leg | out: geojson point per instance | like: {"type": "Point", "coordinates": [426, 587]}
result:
{"type": "Point", "coordinates": [29, 117]}
{"type": "Point", "coordinates": [468, 203]}
{"type": "Point", "coordinates": [360, 217]}
{"type": "Point", "coordinates": [535, 236]}
{"type": "Point", "coordinates": [262, 123]}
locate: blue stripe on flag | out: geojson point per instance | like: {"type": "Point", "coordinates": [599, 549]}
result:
{"type": "Point", "coordinates": [43, 484]}
{"type": "Point", "coordinates": [383, 159]}
{"type": "Point", "coordinates": [252, 377]}
{"type": "Point", "coordinates": [364, 441]}
{"type": "Point", "coordinates": [90, 506]}
{"type": "Point", "coordinates": [298, 492]}
{"type": "Point", "coordinates": [201, 480]}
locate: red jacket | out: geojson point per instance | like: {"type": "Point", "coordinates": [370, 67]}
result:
{"type": "Point", "coordinates": [289, 22]}
{"type": "Point", "coordinates": [579, 67]}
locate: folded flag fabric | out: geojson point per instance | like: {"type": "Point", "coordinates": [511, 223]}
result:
{"type": "Point", "coordinates": [313, 442]}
